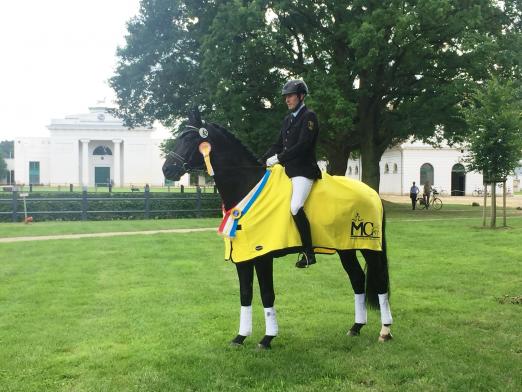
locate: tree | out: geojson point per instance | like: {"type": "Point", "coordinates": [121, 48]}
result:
{"type": "Point", "coordinates": [494, 116]}
{"type": "Point", "coordinates": [6, 151]}
{"type": "Point", "coordinates": [379, 71]}
{"type": "Point", "coordinates": [3, 167]}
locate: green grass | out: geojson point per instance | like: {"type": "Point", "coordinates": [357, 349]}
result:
{"type": "Point", "coordinates": [56, 228]}
{"type": "Point", "coordinates": [155, 313]}
{"type": "Point", "coordinates": [393, 211]}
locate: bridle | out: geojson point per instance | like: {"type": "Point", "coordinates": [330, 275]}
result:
{"type": "Point", "coordinates": [178, 159]}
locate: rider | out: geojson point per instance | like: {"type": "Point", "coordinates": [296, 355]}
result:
{"type": "Point", "coordinates": [295, 150]}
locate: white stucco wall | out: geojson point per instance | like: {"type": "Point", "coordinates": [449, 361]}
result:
{"type": "Point", "coordinates": [31, 149]}
{"type": "Point", "coordinates": [64, 164]}
{"type": "Point", "coordinates": [10, 163]}
{"type": "Point", "coordinates": [391, 172]}
{"type": "Point", "coordinates": [353, 169]}
{"type": "Point", "coordinates": [409, 157]}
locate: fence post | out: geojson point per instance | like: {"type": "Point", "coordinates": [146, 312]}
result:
{"type": "Point", "coordinates": [15, 205]}
{"type": "Point", "coordinates": [198, 201]}
{"type": "Point", "coordinates": [182, 187]}
{"type": "Point", "coordinates": [85, 205]}
{"type": "Point", "coordinates": [147, 202]}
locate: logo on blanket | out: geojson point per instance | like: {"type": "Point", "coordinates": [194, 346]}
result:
{"type": "Point", "coordinates": [363, 229]}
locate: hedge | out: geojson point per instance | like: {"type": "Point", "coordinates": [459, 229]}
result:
{"type": "Point", "coordinates": [110, 206]}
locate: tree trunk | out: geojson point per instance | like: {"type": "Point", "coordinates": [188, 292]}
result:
{"type": "Point", "coordinates": [337, 161]}
{"type": "Point", "coordinates": [493, 222]}
{"type": "Point", "coordinates": [504, 203]}
{"type": "Point", "coordinates": [370, 158]}
{"type": "Point", "coordinates": [371, 152]}
{"type": "Point", "coordinates": [485, 203]}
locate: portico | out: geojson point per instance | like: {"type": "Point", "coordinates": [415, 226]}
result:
{"type": "Point", "coordinates": [90, 149]}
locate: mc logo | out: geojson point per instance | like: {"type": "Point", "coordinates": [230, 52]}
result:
{"type": "Point", "coordinates": [363, 229]}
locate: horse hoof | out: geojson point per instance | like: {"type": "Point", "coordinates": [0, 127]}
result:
{"type": "Point", "coordinates": [385, 338]}
{"type": "Point", "coordinates": [355, 330]}
{"type": "Point", "coordinates": [238, 341]}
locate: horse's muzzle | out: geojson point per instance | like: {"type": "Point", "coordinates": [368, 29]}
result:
{"type": "Point", "coordinates": [172, 171]}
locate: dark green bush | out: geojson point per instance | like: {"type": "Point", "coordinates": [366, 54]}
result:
{"type": "Point", "coordinates": [109, 206]}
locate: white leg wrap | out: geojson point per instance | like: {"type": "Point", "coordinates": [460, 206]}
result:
{"type": "Point", "coordinates": [271, 322]}
{"type": "Point", "coordinates": [245, 321]}
{"type": "Point", "coordinates": [386, 317]}
{"type": "Point", "coordinates": [360, 309]}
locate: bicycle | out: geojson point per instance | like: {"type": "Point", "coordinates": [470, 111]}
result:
{"type": "Point", "coordinates": [479, 192]}
{"type": "Point", "coordinates": [434, 203]}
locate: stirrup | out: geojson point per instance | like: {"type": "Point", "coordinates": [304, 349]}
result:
{"type": "Point", "coordinates": [306, 260]}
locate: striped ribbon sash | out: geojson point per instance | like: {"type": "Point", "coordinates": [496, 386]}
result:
{"type": "Point", "coordinates": [231, 217]}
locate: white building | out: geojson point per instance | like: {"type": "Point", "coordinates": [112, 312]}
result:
{"type": "Point", "coordinates": [90, 149]}
{"type": "Point", "coordinates": [419, 162]}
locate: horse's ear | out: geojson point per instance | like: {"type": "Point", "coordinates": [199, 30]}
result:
{"type": "Point", "coordinates": [195, 117]}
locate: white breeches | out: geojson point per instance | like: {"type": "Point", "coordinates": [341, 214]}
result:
{"type": "Point", "coordinates": [301, 187]}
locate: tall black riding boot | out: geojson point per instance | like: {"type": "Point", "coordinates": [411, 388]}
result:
{"type": "Point", "coordinates": [308, 257]}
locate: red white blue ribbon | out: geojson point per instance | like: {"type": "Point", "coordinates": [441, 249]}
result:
{"type": "Point", "coordinates": [231, 217]}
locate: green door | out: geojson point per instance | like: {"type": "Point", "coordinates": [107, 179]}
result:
{"type": "Point", "coordinates": [34, 172]}
{"type": "Point", "coordinates": [102, 176]}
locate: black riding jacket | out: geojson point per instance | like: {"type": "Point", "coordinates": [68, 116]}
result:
{"type": "Point", "coordinates": [295, 146]}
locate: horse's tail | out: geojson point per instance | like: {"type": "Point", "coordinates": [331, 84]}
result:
{"type": "Point", "coordinates": [377, 278]}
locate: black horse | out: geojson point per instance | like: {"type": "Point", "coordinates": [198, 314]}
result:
{"type": "Point", "coordinates": [236, 171]}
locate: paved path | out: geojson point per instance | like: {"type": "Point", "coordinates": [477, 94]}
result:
{"type": "Point", "coordinates": [94, 235]}
{"type": "Point", "coordinates": [511, 201]}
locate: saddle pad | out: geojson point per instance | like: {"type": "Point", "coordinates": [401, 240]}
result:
{"type": "Point", "coordinates": [343, 214]}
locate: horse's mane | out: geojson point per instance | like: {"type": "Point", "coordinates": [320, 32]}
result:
{"type": "Point", "coordinates": [236, 142]}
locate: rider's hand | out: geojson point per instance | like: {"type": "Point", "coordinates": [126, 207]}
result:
{"type": "Point", "coordinates": [272, 160]}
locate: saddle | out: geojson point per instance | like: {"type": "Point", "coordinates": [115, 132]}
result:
{"type": "Point", "coordinates": [343, 214]}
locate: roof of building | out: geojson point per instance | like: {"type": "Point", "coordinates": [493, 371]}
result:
{"type": "Point", "coordinates": [99, 117]}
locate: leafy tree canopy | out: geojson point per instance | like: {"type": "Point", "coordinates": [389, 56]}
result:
{"type": "Point", "coordinates": [495, 129]}
{"type": "Point", "coordinates": [7, 148]}
{"type": "Point", "coordinates": [379, 71]}
{"type": "Point", "coordinates": [3, 166]}
{"type": "Point", "coordinates": [6, 151]}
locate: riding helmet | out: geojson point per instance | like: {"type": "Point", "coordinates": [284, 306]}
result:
{"type": "Point", "coordinates": [295, 86]}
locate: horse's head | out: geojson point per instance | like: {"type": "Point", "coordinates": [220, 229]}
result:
{"type": "Point", "coordinates": [185, 155]}
{"type": "Point", "coordinates": [192, 150]}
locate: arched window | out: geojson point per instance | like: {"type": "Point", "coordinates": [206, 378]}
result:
{"type": "Point", "coordinates": [386, 169]}
{"type": "Point", "coordinates": [395, 169]}
{"type": "Point", "coordinates": [349, 170]}
{"type": "Point", "coordinates": [426, 174]}
{"type": "Point", "coordinates": [356, 170]}
{"type": "Point", "coordinates": [102, 150]}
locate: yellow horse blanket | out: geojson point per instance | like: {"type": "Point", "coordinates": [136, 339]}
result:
{"type": "Point", "coordinates": [343, 214]}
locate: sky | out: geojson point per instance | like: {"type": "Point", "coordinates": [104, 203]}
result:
{"type": "Point", "coordinates": [56, 58]}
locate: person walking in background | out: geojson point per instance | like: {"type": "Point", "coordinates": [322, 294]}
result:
{"type": "Point", "coordinates": [427, 192]}
{"type": "Point", "coordinates": [414, 191]}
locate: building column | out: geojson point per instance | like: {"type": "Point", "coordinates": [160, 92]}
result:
{"type": "Point", "coordinates": [117, 162]}
{"type": "Point", "coordinates": [85, 161]}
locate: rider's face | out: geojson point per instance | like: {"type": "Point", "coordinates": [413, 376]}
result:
{"type": "Point", "coordinates": [292, 100]}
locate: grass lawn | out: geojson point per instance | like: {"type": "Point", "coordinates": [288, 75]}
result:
{"type": "Point", "coordinates": [155, 313]}
{"type": "Point", "coordinates": [56, 228]}
{"type": "Point", "coordinates": [393, 211]}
